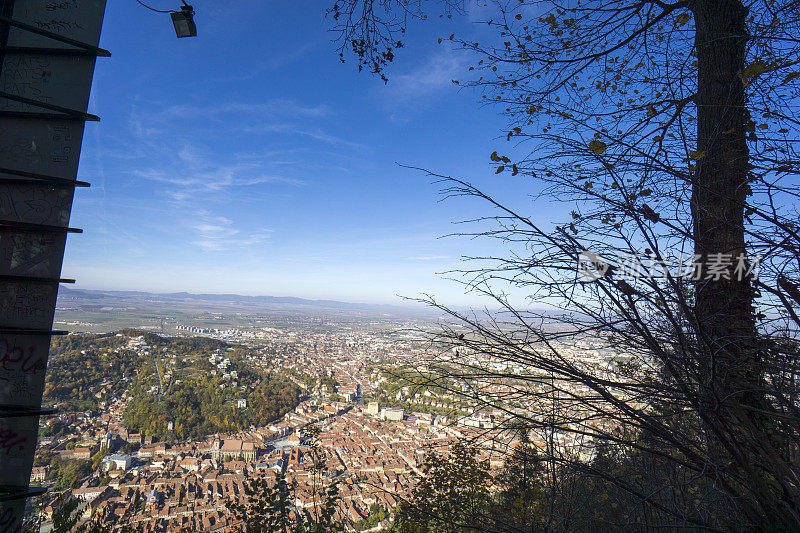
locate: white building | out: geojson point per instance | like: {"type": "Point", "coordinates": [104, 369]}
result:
{"type": "Point", "coordinates": [392, 414]}
{"type": "Point", "coordinates": [117, 462]}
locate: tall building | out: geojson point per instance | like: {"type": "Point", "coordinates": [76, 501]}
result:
{"type": "Point", "coordinates": [373, 408]}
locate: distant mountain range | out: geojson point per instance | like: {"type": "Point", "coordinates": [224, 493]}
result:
{"type": "Point", "coordinates": [284, 302]}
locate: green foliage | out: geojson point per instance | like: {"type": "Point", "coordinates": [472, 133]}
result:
{"type": "Point", "coordinates": [603, 494]}
{"type": "Point", "coordinates": [200, 407]}
{"type": "Point", "coordinates": [452, 495]}
{"type": "Point", "coordinates": [377, 514]}
{"type": "Point", "coordinates": [55, 428]}
{"type": "Point", "coordinates": [82, 365]}
{"type": "Point", "coordinates": [329, 383]}
{"type": "Point", "coordinates": [309, 380]}
{"type": "Point", "coordinates": [68, 473]}
{"type": "Point", "coordinates": [523, 496]}
{"type": "Point", "coordinates": [67, 343]}
{"type": "Point", "coordinates": [194, 345]}
{"type": "Point", "coordinates": [266, 509]}
{"type": "Point", "coordinates": [268, 506]}
{"type": "Point", "coordinates": [97, 458]}
{"type": "Point", "coordinates": [75, 377]}
{"type": "Point", "coordinates": [97, 525]}
{"type": "Point", "coordinates": [324, 523]}
{"type": "Point", "coordinates": [65, 519]}
{"type": "Point", "coordinates": [419, 382]}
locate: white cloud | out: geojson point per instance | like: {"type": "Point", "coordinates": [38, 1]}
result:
{"type": "Point", "coordinates": [295, 129]}
{"type": "Point", "coordinates": [272, 179]}
{"type": "Point", "coordinates": [435, 74]}
{"type": "Point", "coordinates": [197, 175]}
{"type": "Point", "coordinates": [217, 233]}
{"type": "Point", "coordinates": [188, 158]}
{"type": "Point", "coordinates": [271, 108]}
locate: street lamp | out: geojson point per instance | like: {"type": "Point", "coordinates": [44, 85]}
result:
{"type": "Point", "coordinates": [184, 22]}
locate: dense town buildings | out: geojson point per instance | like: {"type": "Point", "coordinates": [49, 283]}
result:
{"type": "Point", "coordinates": [374, 432]}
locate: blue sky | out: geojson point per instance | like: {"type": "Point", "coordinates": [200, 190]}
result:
{"type": "Point", "coordinates": [249, 160]}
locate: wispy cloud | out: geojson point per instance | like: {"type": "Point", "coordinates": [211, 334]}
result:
{"type": "Point", "coordinates": [197, 181]}
{"type": "Point", "coordinates": [271, 108]}
{"type": "Point", "coordinates": [217, 227]}
{"type": "Point", "coordinates": [217, 233]}
{"type": "Point", "coordinates": [156, 127]}
{"type": "Point", "coordinates": [198, 175]}
{"type": "Point", "coordinates": [295, 129]}
{"type": "Point", "coordinates": [433, 75]}
{"type": "Point", "coordinates": [273, 179]}
{"type": "Point", "coordinates": [209, 164]}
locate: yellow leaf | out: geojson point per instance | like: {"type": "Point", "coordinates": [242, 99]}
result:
{"type": "Point", "coordinates": [697, 155]}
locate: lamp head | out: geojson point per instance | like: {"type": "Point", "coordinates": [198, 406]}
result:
{"type": "Point", "coordinates": [183, 21]}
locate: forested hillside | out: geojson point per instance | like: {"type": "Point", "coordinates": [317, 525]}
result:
{"type": "Point", "coordinates": [167, 380]}
{"type": "Point", "coordinates": [200, 407]}
{"type": "Point", "coordinates": [80, 366]}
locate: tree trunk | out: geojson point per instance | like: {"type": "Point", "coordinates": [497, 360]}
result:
{"type": "Point", "coordinates": [723, 307]}
{"type": "Point", "coordinates": [740, 442]}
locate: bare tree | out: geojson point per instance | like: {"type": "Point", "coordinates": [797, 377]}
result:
{"type": "Point", "coordinates": [671, 127]}
{"type": "Point", "coordinates": [372, 31]}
